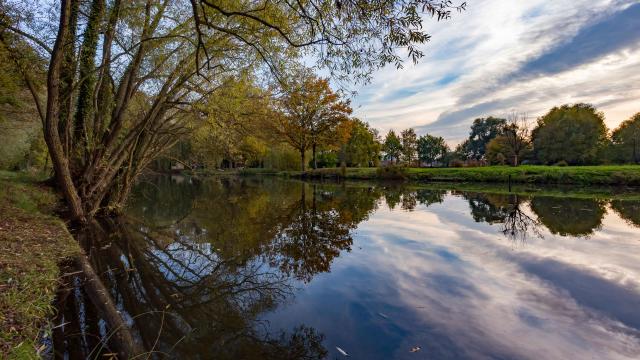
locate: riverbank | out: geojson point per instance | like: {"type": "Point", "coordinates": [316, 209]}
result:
{"type": "Point", "coordinates": [33, 245]}
{"type": "Point", "coordinates": [628, 175]}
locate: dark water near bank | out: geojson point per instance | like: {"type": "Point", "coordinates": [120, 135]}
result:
{"type": "Point", "coordinates": [264, 268]}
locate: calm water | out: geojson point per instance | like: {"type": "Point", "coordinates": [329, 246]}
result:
{"type": "Point", "coordinates": [230, 268]}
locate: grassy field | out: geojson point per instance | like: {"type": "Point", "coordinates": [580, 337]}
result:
{"type": "Point", "coordinates": [33, 242]}
{"type": "Point", "coordinates": [527, 174]}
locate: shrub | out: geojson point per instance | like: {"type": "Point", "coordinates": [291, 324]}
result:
{"type": "Point", "coordinates": [561, 163]}
{"type": "Point", "coordinates": [392, 172]}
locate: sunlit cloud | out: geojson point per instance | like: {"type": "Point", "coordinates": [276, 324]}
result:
{"type": "Point", "coordinates": [498, 57]}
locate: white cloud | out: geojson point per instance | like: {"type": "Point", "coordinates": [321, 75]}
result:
{"type": "Point", "coordinates": [474, 59]}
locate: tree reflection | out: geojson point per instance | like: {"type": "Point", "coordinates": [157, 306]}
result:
{"type": "Point", "coordinates": [507, 210]}
{"type": "Point", "coordinates": [204, 280]}
{"type": "Point", "coordinates": [428, 197]}
{"type": "Point", "coordinates": [187, 301]}
{"type": "Point", "coordinates": [569, 216]}
{"type": "Point", "coordinates": [318, 229]}
{"type": "Point", "coordinates": [629, 210]}
{"type": "Point", "coordinates": [409, 199]}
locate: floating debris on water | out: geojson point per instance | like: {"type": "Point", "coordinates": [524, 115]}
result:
{"type": "Point", "coordinates": [342, 351]}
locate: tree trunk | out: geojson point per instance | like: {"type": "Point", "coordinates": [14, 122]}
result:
{"type": "Point", "coordinates": [315, 162]}
{"type": "Point", "coordinates": [302, 160]}
{"type": "Point", "coordinates": [51, 132]}
{"type": "Point", "coordinates": [515, 160]}
{"type": "Point", "coordinates": [121, 334]}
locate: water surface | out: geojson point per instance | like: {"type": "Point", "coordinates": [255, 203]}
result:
{"type": "Point", "coordinates": [255, 268]}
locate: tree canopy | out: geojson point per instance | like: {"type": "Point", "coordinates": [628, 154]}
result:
{"type": "Point", "coordinates": [483, 130]}
{"type": "Point", "coordinates": [571, 133]}
{"type": "Point", "coordinates": [409, 141]}
{"type": "Point", "coordinates": [392, 147]}
{"type": "Point", "coordinates": [627, 139]}
{"type": "Point", "coordinates": [126, 78]}
{"type": "Point", "coordinates": [310, 114]}
{"type": "Point", "coordinates": [432, 149]}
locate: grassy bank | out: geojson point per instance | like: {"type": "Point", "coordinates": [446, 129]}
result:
{"type": "Point", "coordinates": [528, 174]}
{"type": "Point", "coordinates": [33, 242]}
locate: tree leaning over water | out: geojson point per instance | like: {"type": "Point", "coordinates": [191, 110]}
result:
{"type": "Point", "coordinates": [124, 77]}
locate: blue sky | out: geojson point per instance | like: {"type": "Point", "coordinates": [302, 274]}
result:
{"type": "Point", "coordinates": [501, 56]}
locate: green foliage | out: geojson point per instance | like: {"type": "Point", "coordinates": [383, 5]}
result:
{"type": "Point", "coordinates": [20, 129]}
{"type": "Point", "coordinates": [507, 149]}
{"type": "Point", "coordinates": [432, 149]}
{"type": "Point", "coordinates": [392, 147]}
{"type": "Point", "coordinates": [391, 172]}
{"type": "Point", "coordinates": [409, 141]}
{"type": "Point", "coordinates": [573, 133]}
{"type": "Point", "coordinates": [326, 159]}
{"type": "Point", "coordinates": [483, 130]}
{"type": "Point", "coordinates": [363, 147]}
{"type": "Point", "coordinates": [626, 141]}
{"type": "Point", "coordinates": [282, 157]}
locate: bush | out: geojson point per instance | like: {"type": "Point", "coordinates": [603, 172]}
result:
{"type": "Point", "coordinates": [561, 163]}
{"type": "Point", "coordinates": [392, 172]}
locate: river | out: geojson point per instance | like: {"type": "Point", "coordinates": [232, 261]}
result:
{"type": "Point", "coordinates": [268, 268]}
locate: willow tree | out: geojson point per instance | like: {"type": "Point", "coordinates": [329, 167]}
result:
{"type": "Point", "coordinates": [124, 76]}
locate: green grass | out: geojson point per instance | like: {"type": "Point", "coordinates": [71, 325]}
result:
{"type": "Point", "coordinates": [628, 175]}
{"type": "Point", "coordinates": [33, 242]}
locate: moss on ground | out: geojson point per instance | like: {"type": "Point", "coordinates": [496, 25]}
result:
{"type": "Point", "coordinates": [33, 242]}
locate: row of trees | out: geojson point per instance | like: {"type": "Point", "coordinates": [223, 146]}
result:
{"type": "Point", "coordinates": [414, 150]}
{"type": "Point", "coordinates": [299, 120]}
{"type": "Point", "coordinates": [568, 134]}
{"type": "Point", "coordinates": [126, 80]}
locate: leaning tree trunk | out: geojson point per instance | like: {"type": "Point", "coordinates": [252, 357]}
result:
{"type": "Point", "coordinates": [59, 158]}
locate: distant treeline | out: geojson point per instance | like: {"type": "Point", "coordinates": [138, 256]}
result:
{"type": "Point", "coordinates": [566, 135]}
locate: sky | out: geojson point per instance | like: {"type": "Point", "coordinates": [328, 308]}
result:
{"type": "Point", "coordinates": [501, 56]}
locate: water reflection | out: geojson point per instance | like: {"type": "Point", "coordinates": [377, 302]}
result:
{"type": "Point", "coordinates": [577, 217]}
{"type": "Point", "coordinates": [232, 268]}
{"type": "Point", "coordinates": [628, 210]}
{"type": "Point", "coordinates": [508, 210]}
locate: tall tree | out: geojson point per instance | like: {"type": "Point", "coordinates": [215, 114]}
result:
{"type": "Point", "coordinates": [392, 147]}
{"type": "Point", "coordinates": [626, 138]}
{"type": "Point", "coordinates": [409, 141]}
{"type": "Point", "coordinates": [571, 133]}
{"type": "Point", "coordinates": [363, 147]}
{"type": "Point", "coordinates": [483, 130]}
{"type": "Point", "coordinates": [311, 113]}
{"type": "Point", "coordinates": [432, 149]}
{"type": "Point", "coordinates": [513, 145]}
{"type": "Point", "coordinates": [147, 65]}
{"type": "Point", "coordinates": [516, 137]}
